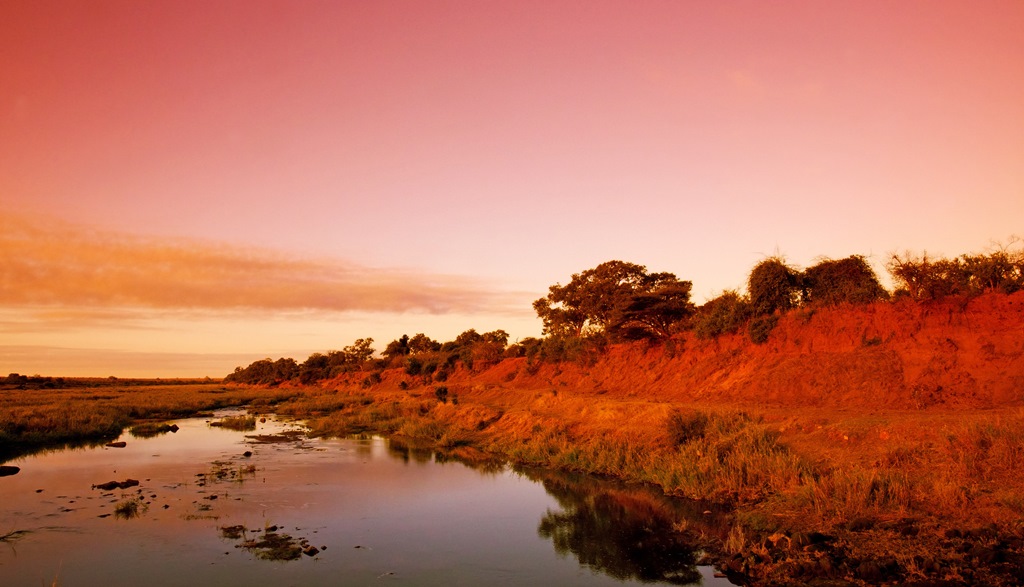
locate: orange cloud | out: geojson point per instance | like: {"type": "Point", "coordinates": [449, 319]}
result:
{"type": "Point", "coordinates": [51, 264]}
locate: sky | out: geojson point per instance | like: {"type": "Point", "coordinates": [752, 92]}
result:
{"type": "Point", "coordinates": [189, 186]}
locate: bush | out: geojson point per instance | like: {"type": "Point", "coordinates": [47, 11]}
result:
{"type": "Point", "coordinates": [724, 314]}
{"type": "Point", "coordinates": [413, 366]}
{"type": "Point", "coordinates": [849, 280]}
{"type": "Point", "coordinates": [924, 278]}
{"type": "Point", "coordinates": [441, 393]}
{"type": "Point", "coordinates": [773, 286]}
{"type": "Point", "coordinates": [583, 350]}
{"type": "Point", "coordinates": [686, 426]}
{"type": "Point", "coordinates": [761, 327]}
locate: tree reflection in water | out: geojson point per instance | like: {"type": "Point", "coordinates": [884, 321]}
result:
{"type": "Point", "coordinates": [628, 534]}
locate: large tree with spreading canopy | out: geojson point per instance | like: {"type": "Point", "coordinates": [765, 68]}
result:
{"type": "Point", "coordinates": [618, 298]}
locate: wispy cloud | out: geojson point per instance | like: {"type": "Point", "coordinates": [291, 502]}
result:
{"type": "Point", "coordinates": [46, 263]}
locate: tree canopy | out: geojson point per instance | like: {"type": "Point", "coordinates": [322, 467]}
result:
{"type": "Point", "coordinates": [618, 298]}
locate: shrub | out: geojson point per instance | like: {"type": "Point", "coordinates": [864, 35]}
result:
{"type": "Point", "coordinates": [761, 327]}
{"type": "Point", "coordinates": [773, 286]}
{"type": "Point", "coordinates": [684, 427]}
{"type": "Point", "coordinates": [924, 278]}
{"type": "Point", "coordinates": [722, 315]}
{"type": "Point", "coordinates": [849, 280]}
{"type": "Point", "coordinates": [414, 366]}
{"type": "Point", "coordinates": [583, 350]}
{"type": "Point", "coordinates": [441, 393]}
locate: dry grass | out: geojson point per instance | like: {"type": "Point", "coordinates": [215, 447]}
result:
{"type": "Point", "coordinates": [37, 418]}
{"type": "Point", "coordinates": [240, 423]}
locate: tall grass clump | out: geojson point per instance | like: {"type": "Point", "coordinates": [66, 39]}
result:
{"type": "Point", "coordinates": [241, 423]}
{"type": "Point", "coordinates": [129, 508]}
{"type": "Point", "coordinates": [727, 455]}
{"type": "Point", "coordinates": [842, 495]}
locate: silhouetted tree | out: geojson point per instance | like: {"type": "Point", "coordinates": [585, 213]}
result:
{"type": "Point", "coordinates": [654, 314]}
{"type": "Point", "coordinates": [397, 348]}
{"type": "Point", "coordinates": [615, 297]}
{"type": "Point", "coordinates": [421, 343]}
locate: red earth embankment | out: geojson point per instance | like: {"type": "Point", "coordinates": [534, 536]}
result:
{"type": "Point", "coordinates": [952, 353]}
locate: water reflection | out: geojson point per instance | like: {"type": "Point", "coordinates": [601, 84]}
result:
{"type": "Point", "coordinates": [627, 533]}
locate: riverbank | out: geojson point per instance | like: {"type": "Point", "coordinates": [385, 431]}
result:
{"type": "Point", "coordinates": [868, 498]}
{"type": "Point", "coordinates": [875, 445]}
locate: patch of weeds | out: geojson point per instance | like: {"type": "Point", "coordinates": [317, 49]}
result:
{"type": "Point", "coordinates": [274, 547]}
{"type": "Point", "coordinates": [192, 517]}
{"type": "Point", "coordinates": [686, 426]}
{"type": "Point", "coordinates": [129, 508]}
{"type": "Point", "coordinates": [240, 423]}
{"type": "Point", "coordinates": [286, 436]}
{"type": "Point", "coordinates": [151, 429]}
{"type": "Point", "coordinates": [233, 532]}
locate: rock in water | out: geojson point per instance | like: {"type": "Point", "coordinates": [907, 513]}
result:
{"type": "Point", "coordinates": [111, 485]}
{"type": "Point", "coordinates": [8, 470]}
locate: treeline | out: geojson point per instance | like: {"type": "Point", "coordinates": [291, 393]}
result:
{"type": "Point", "coordinates": [619, 301]}
{"type": "Point", "coordinates": [419, 355]}
{"type": "Point", "coordinates": [19, 381]}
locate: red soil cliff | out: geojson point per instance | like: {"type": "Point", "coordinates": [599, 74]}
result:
{"type": "Point", "coordinates": [955, 353]}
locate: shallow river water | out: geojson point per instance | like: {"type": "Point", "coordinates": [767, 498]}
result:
{"type": "Point", "coordinates": [376, 513]}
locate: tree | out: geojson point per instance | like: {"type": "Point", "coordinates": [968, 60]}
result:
{"type": "Point", "coordinates": [773, 286]}
{"type": "Point", "coordinates": [849, 280]}
{"type": "Point", "coordinates": [615, 297]}
{"type": "Point", "coordinates": [653, 314]}
{"type": "Point", "coordinates": [360, 351]}
{"type": "Point", "coordinates": [421, 343]}
{"type": "Point", "coordinates": [926, 278]}
{"type": "Point", "coordinates": [397, 348]}
{"type": "Point", "coordinates": [314, 368]}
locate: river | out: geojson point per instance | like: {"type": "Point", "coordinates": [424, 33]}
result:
{"type": "Point", "coordinates": [220, 507]}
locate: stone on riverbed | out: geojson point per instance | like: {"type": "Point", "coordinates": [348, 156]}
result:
{"type": "Point", "coordinates": [112, 485]}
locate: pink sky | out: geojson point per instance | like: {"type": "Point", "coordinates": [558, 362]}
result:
{"type": "Point", "coordinates": [188, 186]}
